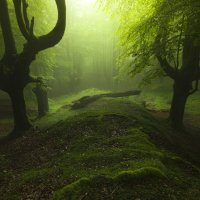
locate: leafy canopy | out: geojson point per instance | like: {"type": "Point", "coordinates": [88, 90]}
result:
{"type": "Point", "coordinates": [142, 21]}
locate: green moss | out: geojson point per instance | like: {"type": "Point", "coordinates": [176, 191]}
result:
{"type": "Point", "coordinates": [67, 191]}
{"type": "Point", "coordinates": [35, 175]}
{"type": "Point", "coordinates": [109, 150]}
{"type": "Point", "coordinates": [84, 185]}
{"type": "Point", "coordinates": [141, 174]}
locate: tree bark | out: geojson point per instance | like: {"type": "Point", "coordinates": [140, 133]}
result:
{"type": "Point", "coordinates": [181, 91]}
{"type": "Point", "coordinates": [14, 66]}
{"type": "Point", "coordinates": [42, 99]}
{"type": "Point", "coordinates": [9, 42]}
{"type": "Point", "coordinates": [21, 122]}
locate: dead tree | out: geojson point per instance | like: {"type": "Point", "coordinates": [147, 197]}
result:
{"type": "Point", "coordinates": [41, 93]}
{"type": "Point", "coordinates": [14, 66]}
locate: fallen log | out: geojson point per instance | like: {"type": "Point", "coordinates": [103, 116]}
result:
{"type": "Point", "coordinates": [84, 101]}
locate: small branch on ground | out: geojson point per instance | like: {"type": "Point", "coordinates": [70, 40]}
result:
{"type": "Point", "coordinates": [84, 196]}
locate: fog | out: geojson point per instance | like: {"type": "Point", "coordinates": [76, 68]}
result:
{"type": "Point", "coordinates": [87, 55]}
{"type": "Point", "coordinates": [85, 58]}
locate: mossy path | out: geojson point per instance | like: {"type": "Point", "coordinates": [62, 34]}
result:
{"type": "Point", "coordinates": [112, 149]}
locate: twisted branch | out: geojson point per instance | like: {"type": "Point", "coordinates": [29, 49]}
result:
{"type": "Point", "coordinates": [20, 19]}
{"type": "Point", "coordinates": [168, 69]}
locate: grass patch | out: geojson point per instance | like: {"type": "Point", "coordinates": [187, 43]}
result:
{"type": "Point", "coordinates": [112, 149]}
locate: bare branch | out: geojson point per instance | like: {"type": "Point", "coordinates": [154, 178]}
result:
{"type": "Point", "coordinates": [25, 15]}
{"type": "Point", "coordinates": [32, 27]}
{"type": "Point", "coordinates": [198, 73]}
{"type": "Point", "coordinates": [53, 37]}
{"type": "Point", "coordinates": [179, 44]}
{"type": "Point", "coordinates": [10, 48]}
{"type": "Point", "coordinates": [168, 69]}
{"type": "Point", "coordinates": [196, 87]}
{"type": "Point", "coordinates": [32, 79]}
{"type": "Point", "coordinates": [20, 20]}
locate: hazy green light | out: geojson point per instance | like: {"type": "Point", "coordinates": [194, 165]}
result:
{"type": "Point", "coordinates": [88, 2]}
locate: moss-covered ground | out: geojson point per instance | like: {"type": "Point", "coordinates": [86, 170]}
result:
{"type": "Point", "coordinates": [111, 149]}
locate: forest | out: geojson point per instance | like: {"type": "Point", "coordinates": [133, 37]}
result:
{"type": "Point", "coordinates": [99, 100]}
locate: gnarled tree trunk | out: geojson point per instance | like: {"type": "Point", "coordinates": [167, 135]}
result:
{"type": "Point", "coordinates": [183, 76]}
{"type": "Point", "coordinates": [42, 99]}
{"type": "Point", "coordinates": [21, 121]}
{"type": "Point", "coordinates": [180, 94]}
{"type": "Point", "coordinates": [14, 66]}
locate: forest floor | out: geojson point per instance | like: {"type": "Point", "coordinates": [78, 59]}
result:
{"type": "Point", "coordinates": [114, 148]}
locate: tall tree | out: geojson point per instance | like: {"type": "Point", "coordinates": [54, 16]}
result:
{"type": "Point", "coordinates": [166, 31]}
{"type": "Point", "coordinates": [14, 66]}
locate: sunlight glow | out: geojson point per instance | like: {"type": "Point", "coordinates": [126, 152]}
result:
{"type": "Point", "coordinates": [88, 2]}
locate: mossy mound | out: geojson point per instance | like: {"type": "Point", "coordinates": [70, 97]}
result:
{"type": "Point", "coordinates": [111, 149]}
{"type": "Point", "coordinates": [104, 187]}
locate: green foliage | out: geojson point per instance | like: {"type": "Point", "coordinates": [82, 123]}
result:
{"type": "Point", "coordinates": [141, 22]}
